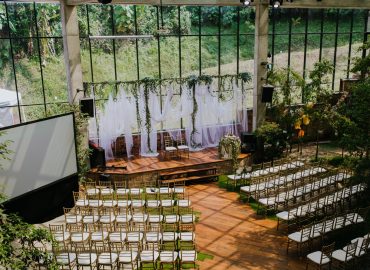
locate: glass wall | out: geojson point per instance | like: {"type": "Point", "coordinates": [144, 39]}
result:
{"type": "Point", "coordinates": [187, 41]}
{"type": "Point", "coordinates": [32, 72]}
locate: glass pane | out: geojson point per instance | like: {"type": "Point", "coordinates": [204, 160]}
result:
{"type": "Point", "coordinates": [148, 58]}
{"type": "Point", "coordinates": [228, 55]}
{"type": "Point", "coordinates": [124, 19]}
{"type": "Point", "coordinates": [57, 108]}
{"type": "Point", "coordinates": [85, 60]}
{"type": "Point", "coordinates": [281, 51]}
{"type": "Point", "coordinates": [82, 20]}
{"type": "Point", "coordinates": [314, 20]}
{"type": "Point", "coordinates": [6, 66]}
{"type": "Point", "coordinates": [190, 56]}
{"type": "Point", "coordinates": [49, 20]}
{"type": "Point", "coordinates": [246, 47]}
{"type": "Point", "coordinates": [146, 19]}
{"type": "Point", "coordinates": [247, 16]}
{"type": "Point", "coordinates": [28, 72]}
{"type": "Point", "coordinates": [126, 60]}
{"type": "Point", "coordinates": [55, 81]}
{"type": "Point", "coordinates": [9, 116]}
{"type": "Point", "coordinates": [102, 57]}
{"type": "Point", "coordinates": [33, 112]}
{"type": "Point", "coordinates": [191, 13]}
{"type": "Point", "coordinates": [22, 18]}
{"type": "Point", "coordinates": [229, 20]}
{"type": "Point", "coordinates": [210, 20]}
{"type": "Point", "coordinates": [100, 20]}
{"type": "Point", "coordinates": [297, 52]}
{"type": "Point", "coordinates": [169, 57]}
{"type": "Point", "coordinates": [210, 55]}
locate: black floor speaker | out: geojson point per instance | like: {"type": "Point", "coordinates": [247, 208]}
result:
{"type": "Point", "coordinates": [97, 157]}
{"type": "Point", "coordinates": [267, 91]}
{"type": "Point", "coordinates": [87, 106]}
{"type": "Point", "coordinates": [248, 142]}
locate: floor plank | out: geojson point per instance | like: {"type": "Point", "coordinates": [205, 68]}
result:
{"type": "Point", "coordinates": [237, 238]}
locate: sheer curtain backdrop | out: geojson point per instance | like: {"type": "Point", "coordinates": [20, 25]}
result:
{"type": "Point", "coordinates": [215, 117]}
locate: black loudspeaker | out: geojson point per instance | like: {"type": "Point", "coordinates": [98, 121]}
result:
{"type": "Point", "coordinates": [248, 142]}
{"type": "Point", "coordinates": [97, 157]}
{"type": "Point", "coordinates": [87, 106]}
{"type": "Point", "coordinates": [267, 91]}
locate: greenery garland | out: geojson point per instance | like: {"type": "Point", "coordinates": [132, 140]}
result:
{"type": "Point", "coordinates": [225, 83]}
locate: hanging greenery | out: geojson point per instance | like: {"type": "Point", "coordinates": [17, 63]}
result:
{"type": "Point", "coordinates": [225, 92]}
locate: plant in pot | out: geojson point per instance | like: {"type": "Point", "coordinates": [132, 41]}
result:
{"type": "Point", "coordinates": [287, 83]}
{"type": "Point", "coordinates": [318, 96]}
{"type": "Point", "coordinates": [273, 139]}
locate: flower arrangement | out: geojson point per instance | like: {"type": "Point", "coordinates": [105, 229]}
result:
{"type": "Point", "coordinates": [230, 144]}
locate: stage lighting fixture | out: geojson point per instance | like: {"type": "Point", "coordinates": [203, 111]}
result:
{"type": "Point", "coordinates": [276, 3]}
{"type": "Point", "coordinates": [104, 2]}
{"type": "Point", "coordinates": [246, 2]}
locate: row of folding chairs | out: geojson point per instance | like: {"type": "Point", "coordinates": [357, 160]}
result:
{"type": "Point", "coordinates": [347, 256]}
{"type": "Point", "coordinates": [123, 201]}
{"type": "Point", "coordinates": [140, 236]}
{"type": "Point", "coordinates": [320, 204]}
{"type": "Point", "coordinates": [88, 217]}
{"type": "Point", "coordinates": [117, 256]}
{"type": "Point", "coordinates": [275, 182]}
{"type": "Point", "coordinates": [319, 186]}
{"type": "Point", "coordinates": [106, 188]}
{"type": "Point", "coordinates": [241, 174]}
{"type": "Point", "coordinates": [308, 233]}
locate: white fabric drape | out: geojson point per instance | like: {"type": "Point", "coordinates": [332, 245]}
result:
{"type": "Point", "coordinates": [215, 118]}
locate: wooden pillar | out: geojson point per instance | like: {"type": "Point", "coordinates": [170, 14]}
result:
{"type": "Point", "coordinates": [72, 51]}
{"type": "Point", "coordinates": [260, 60]}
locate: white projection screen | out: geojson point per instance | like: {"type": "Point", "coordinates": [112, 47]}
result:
{"type": "Point", "coordinates": [42, 152]}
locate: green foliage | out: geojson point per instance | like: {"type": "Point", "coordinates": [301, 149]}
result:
{"type": "Point", "coordinates": [22, 244]}
{"type": "Point", "coordinates": [318, 90]}
{"type": "Point", "coordinates": [273, 138]}
{"type": "Point", "coordinates": [230, 142]}
{"type": "Point", "coordinates": [362, 64]}
{"type": "Point", "coordinates": [4, 148]}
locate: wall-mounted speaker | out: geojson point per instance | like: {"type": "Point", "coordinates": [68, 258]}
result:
{"type": "Point", "coordinates": [267, 91]}
{"type": "Point", "coordinates": [87, 106]}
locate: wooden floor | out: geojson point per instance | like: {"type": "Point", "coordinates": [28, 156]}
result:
{"type": "Point", "coordinates": [237, 238]}
{"type": "Point", "coordinates": [147, 164]}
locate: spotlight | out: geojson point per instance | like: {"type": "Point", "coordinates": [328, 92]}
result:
{"type": "Point", "coordinates": [104, 2]}
{"type": "Point", "coordinates": [276, 3]}
{"type": "Point", "coordinates": [246, 2]}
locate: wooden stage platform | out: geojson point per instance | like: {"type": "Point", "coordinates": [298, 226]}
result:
{"type": "Point", "coordinates": [137, 165]}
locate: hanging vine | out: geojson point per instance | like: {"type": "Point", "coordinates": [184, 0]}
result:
{"type": "Point", "coordinates": [225, 92]}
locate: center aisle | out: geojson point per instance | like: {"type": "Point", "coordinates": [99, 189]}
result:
{"type": "Point", "coordinates": [237, 238]}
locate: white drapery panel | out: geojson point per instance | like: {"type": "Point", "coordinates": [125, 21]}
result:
{"type": "Point", "coordinates": [215, 117]}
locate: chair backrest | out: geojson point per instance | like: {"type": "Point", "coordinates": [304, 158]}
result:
{"type": "Point", "coordinates": [327, 251]}
{"type": "Point", "coordinates": [365, 246]}
{"type": "Point", "coordinates": [306, 232]}
{"type": "Point", "coordinates": [120, 184]}
{"type": "Point", "coordinates": [168, 141]}
{"type": "Point", "coordinates": [350, 250]}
